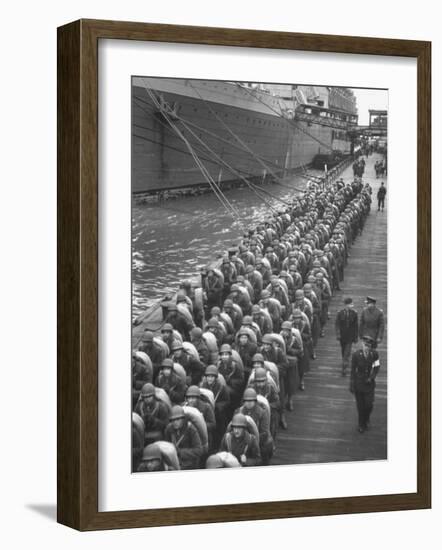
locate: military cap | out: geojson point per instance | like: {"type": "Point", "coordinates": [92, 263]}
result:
{"type": "Point", "coordinates": [370, 300]}
{"type": "Point", "coordinates": [167, 327]}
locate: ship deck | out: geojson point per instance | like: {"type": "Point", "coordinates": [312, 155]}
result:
{"type": "Point", "coordinates": [323, 425]}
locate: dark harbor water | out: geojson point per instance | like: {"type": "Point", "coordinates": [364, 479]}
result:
{"type": "Point", "coordinates": [172, 240]}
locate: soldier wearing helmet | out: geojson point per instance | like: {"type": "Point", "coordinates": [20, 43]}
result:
{"type": "Point", "coordinates": [276, 355]}
{"type": "Point", "coordinates": [185, 437]}
{"type": "Point", "coordinates": [262, 386]}
{"type": "Point", "coordinates": [194, 399]}
{"type": "Point", "coordinates": [315, 325]}
{"type": "Point", "coordinates": [170, 382]}
{"type": "Point", "coordinates": [213, 288]}
{"type": "Point", "coordinates": [196, 337]}
{"type": "Point", "coordinates": [234, 312]}
{"type": "Point", "coordinates": [193, 367]}
{"type": "Point", "coordinates": [180, 322]}
{"type": "Point", "coordinates": [152, 460]}
{"type": "Point", "coordinates": [304, 304]}
{"type": "Point", "coordinates": [273, 307]}
{"type": "Point", "coordinates": [229, 273]}
{"type": "Point", "coordinates": [154, 412]}
{"type": "Point", "coordinates": [294, 351]}
{"type": "Point", "coordinates": [167, 335]}
{"type": "Point", "coordinates": [217, 329]}
{"type": "Point", "coordinates": [262, 318]}
{"type": "Point", "coordinates": [300, 322]}
{"type": "Point", "coordinates": [154, 350]}
{"type": "Point", "coordinates": [252, 408]}
{"type": "Point", "coordinates": [246, 349]}
{"type": "Point", "coordinates": [221, 398]}
{"type": "Point", "coordinates": [241, 298]}
{"type": "Point", "coordinates": [232, 372]}
{"type": "Point", "coordinates": [255, 279]}
{"type": "Point", "coordinates": [142, 372]}
{"type": "Point", "coordinates": [240, 443]}
{"type": "Point", "coordinates": [278, 292]}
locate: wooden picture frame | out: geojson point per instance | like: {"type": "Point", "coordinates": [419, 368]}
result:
{"type": "Point", "coordinates": [78, 273]}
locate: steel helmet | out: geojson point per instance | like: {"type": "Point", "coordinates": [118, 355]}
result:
{"type": "Point", "coordinates": [141, 356]}
{"type": "Point", "coordinates": [152, 452]}
{"type": "Point", "coordinates": [297, 313]}
{"type": "Point", "coordinates": [228, 303]}
{"type": "Point", "coordinates": [256, 308]}
{"type": "Point", "coordinates": [226, 348]}
{"type": "Point", "coordinates": [211, 370]}
{"type": "Point", "coordinates": [214, 461]}
{"type": "Point", "coordinates": [147, 336]}
{"type": "Point", "coordinates": [250, 269]}
{"type": "Point", "coordinates": [196, 333]}
{"type": "Point", "coordinates": [215, 311]}
{"type": "Point", "coordinates": [234, 288]}
{"type": "Point", "coordinates": [177, 412]}
{"type": "Point", "coordinates": [167, 363]}
{"type": "Point", "coordinates": [239, 421]}
{"type": "Point", "coordinates": [299, 294]}
{"type": "Point", "coordinates": [308, 287]}
{"type": "Point", "coordinates": [193, 391]}
{"type": "Point", "coordinates": [267, 339]}
{"type": "Point", "coordinates": [167, 327]}
{"type": "Point", "coordinates": [243, 333]}
{"type": "Point", "coordinates": [250, 395]}
{"type": "Point", "coordinates": [247, 320]}
{"type": "Point", "coordinates": [265, 294]}
{"type": "Point", "coordinates": [172, 307]}
{"type": "Point", "coordinates": [258, 358]}
{"type": "Point", "coordinates": [147, 390]}
{"type": "Point", "coordinates": [181, 297]}
{"type": "Point", "coordinates": [213, 322]}
{"type": "Point", "coordinates": [286, 325]}
{"type": "Point", "coordinates": [260, 374]}
{"type": "Point", "coordinates": [177, 345]}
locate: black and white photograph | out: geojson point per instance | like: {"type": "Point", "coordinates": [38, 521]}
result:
{"type": "Point", "coordinates": [259, 274]}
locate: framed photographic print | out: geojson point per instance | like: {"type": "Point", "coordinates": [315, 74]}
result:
{"type": "Point", "coordinates": [243, 275]}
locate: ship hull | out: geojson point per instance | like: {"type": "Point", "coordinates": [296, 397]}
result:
{"type": "Point", "coordinates": [232, 133]}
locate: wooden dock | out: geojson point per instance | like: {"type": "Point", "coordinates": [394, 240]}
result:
{"type": "Point", "coordinates": [323, 425]}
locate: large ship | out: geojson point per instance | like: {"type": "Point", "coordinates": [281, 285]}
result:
{"type": "Point", "coordinates": [188, 133]}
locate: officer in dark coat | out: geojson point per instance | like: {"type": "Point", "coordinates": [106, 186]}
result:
{"type": "Point", "coordinates": [364, 369]}
{"type": "Point", "coordinates": [346, 326]}
{"type": "Point", "coordinates": [372, 322]}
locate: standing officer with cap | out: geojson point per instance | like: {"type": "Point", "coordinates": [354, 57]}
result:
{"type": "Point", "coordinates": [372, 322]}
{"type": "Point", "coordinates": [364, 369]}
{"type": "Point", "coordinates": [346, 326]}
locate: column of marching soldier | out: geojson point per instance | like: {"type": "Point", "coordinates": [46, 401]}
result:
{"type": "Point", "coordinates": [214, 393]}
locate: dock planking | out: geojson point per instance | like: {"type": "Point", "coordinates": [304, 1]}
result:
{"type": "Point", "coordinates": [323, 425]}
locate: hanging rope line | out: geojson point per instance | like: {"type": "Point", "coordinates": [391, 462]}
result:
{"type": "Point", "coordinates": [216, 136]}
{"type": "Point", "coordinates": [221, 196]}
{"type": "Point", "coordinates": [255, 156]}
